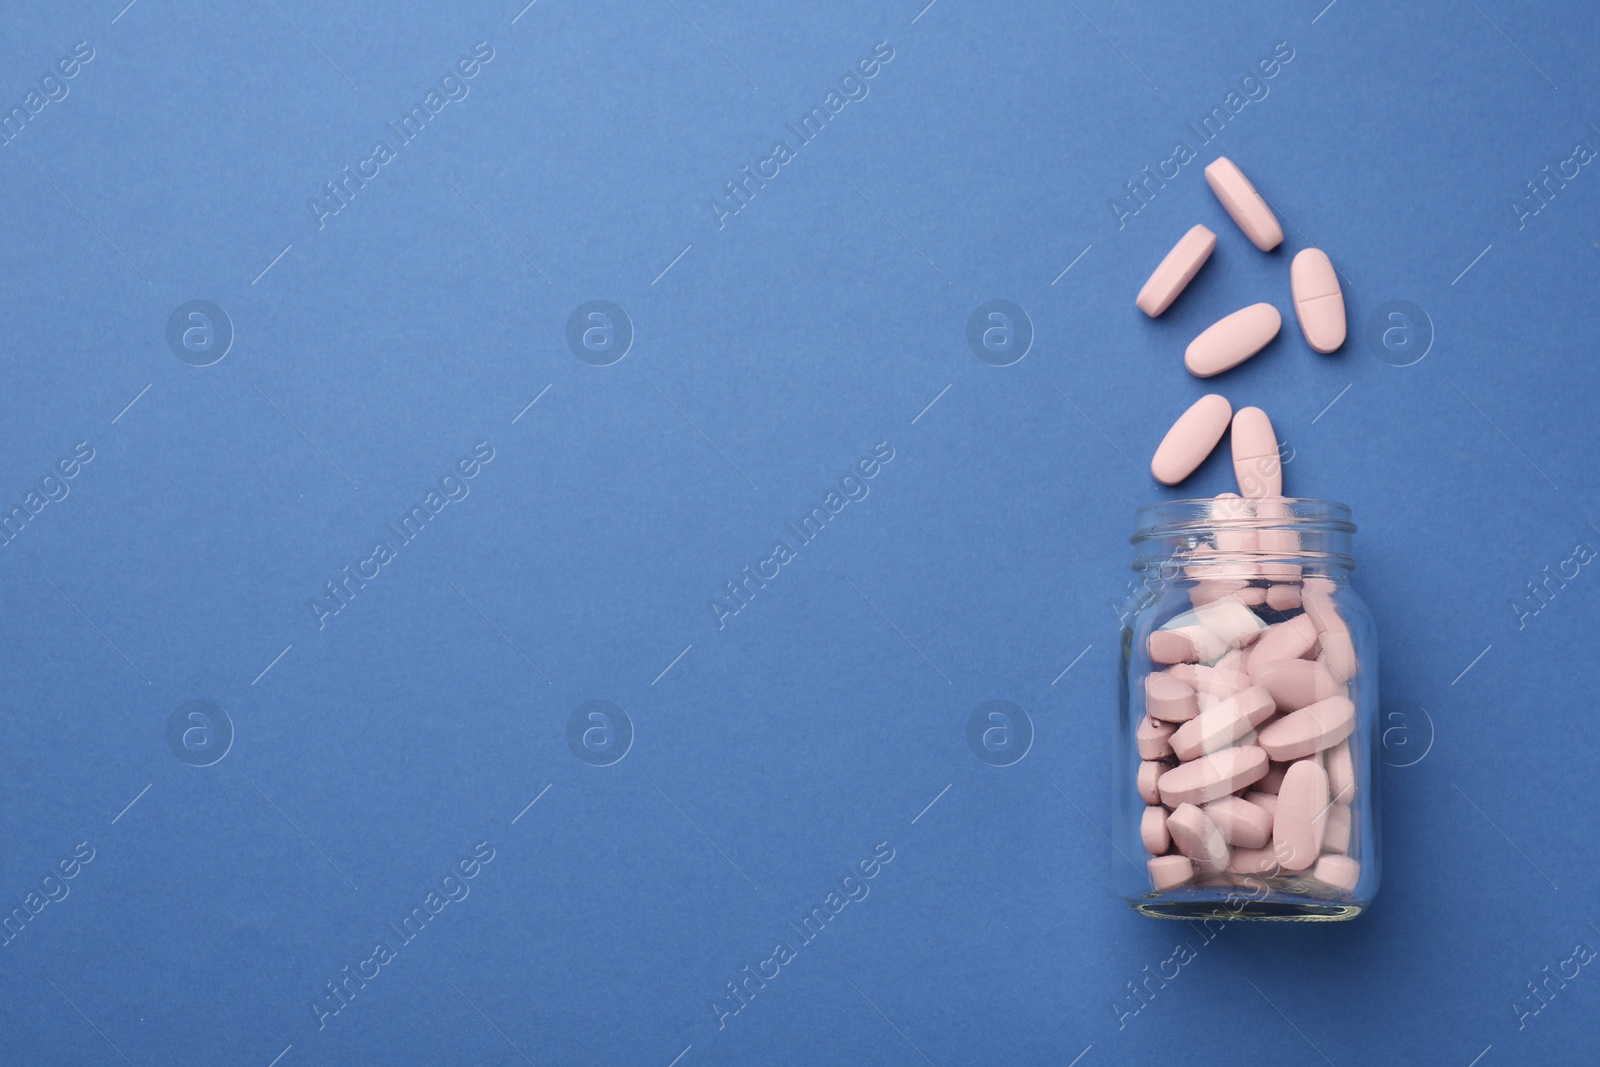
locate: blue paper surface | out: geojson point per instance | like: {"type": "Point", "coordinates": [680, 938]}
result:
{"type": "Point", "coordinates": [398, 395]}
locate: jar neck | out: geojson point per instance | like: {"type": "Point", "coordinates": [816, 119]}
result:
{"type": "Point", "coordinates": [1228, 534]}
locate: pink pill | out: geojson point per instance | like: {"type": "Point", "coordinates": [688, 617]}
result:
{"type": "Point", "coordinates": [1210, 564]}
{"type": "Point", "coordinates": [1154, 738]}
{"type": "Point", "coordinates": [1290, 640]}
{"type": "Point", "coordinates": [1319, 596]}
{"type": "Point", "coordinates": [1296, 683]}
{"type": "Point", "coordinates": [1248, 208]}
{"type": "Point", "coordinates": [1176, 271]}
{"type": "Point", "coordinates": [1189, 674]}
{"type": "Point", "coordinates": [1210, 684]}
{"type": "Point", "coordinates": [1340, 872]}
{"type": "Point", "coordinates": [1283, 596]}
{"type": "Point", "coordinates": [1170, 646]}
{"type": "Point", "coordinates": [1311, 729]}
{"type": "Point", "coordinates": [1318, 300]}
{"type": "Point", "coordinates": [1191, 439]}
{"type": "Point", "coordinates": [1212, 777]}
{"type": "Point", "coordinates": [1338, 653]}
{"type": "Point", "coordinates": [1167, 698]}
{"type": "Point", "coordinates": [1150, 772]}
{"type": "Point", "coordinates": [1209, 591]}
{"type": "Point", "coordinates": [1337, 650]}
{"type": "Point", "coordinates": [1197, 837]}
{"type": "Point", "coordinates": [1341, 773]}
{"type": "Point", "coordinates": [1212, 629]}
{"type": "Point", "coordinates": [1204, 642]}
{"type": "Point", "coordinates": [1275, 542]}
{"type": "Point", "coordinates": [1233, 623]}
{"type": "Point", "coordinates": [1153, 830]}
{"type": "Point", "coordinates": [1223, 723]}
{"type": "Point", "coordinates": [1253, 861]}
{"type": "Point", "coordinates": [1243, 825]}
{"type": "Point", "coordinates": [1256, 462]}
{"type": "Point", "coordinates": [1235, 539]}
{"type": "Point", "coordinates": [1336, 838]}
{"type": "Point", "coordinates": [1302, 815]}
{"type": "Point", "coordinates": [1272, 781]}
{"type": "Point", "coordinates": [1233, 661]}
{"type": "Point", "coordinates": [1267, 802]}
{"type": "Point", "coordinates": [1226, 508]}
{"type": "Point", "coordinates": [1230, 341]}
{"type": "Point", "coordinates": [1169, 872]}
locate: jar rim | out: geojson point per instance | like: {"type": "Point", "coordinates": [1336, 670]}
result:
{"type": "Point", "coordinates": [1165, 518]}
{"type": "Point", "coordinates": [1321, 529]}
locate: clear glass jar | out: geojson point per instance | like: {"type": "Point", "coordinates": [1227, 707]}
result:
{"type": "Point", "coordinates": [1245, 778]}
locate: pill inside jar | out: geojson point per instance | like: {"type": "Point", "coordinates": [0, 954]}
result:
{"type": "Point", "coordinates": [1244, 783]}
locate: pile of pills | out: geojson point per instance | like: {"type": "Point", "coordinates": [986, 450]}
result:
{"type": "Point", "coordinates": [1318, 303]}
{"type": "Point", "coordinates": [1245, 762]}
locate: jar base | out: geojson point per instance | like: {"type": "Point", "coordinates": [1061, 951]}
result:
{"type": "Point", "coordinates": [1268, 910]}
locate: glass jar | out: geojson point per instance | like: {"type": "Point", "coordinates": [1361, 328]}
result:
{"type": "Point", "coordinates": [1245, 769]}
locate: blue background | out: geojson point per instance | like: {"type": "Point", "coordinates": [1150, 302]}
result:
{"type": "Point", "coordinates": [769, 356]}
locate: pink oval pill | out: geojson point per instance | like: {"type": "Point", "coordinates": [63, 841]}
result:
{"type": "Point", "coordinates": [1197, 837]}
{"type": "Point", "coordinates": [1253, 861]}
{"type": "Point", "coordinates": [1319, 594]}
{"type": "Point", "coordinates": [1233, 624]}
{"type": "Point", "coordinates": [1191, 439]}
{"type": "Point", "coordinates": [1336, 838]}
{"type": "Point", "coordinates": [1340, 872]}
{"type": "Point", "coordinates": [1267, 802]}
{"type": "Point", "coordinates": [1243, 825]}
{"type": "Point", "coordinates": [1302, 815]}
{"type": "Point", "coordinates": [1184, 644]}
{"type": "Point", "coordinates": [1167, 698]}
{"type": "Point", "coordinates": [1210, 684]}
{"type": "Point", "coordinates": [1257, 465]}
{"type": "Point", "coordinates": [1211, 777]}
{"type": "Point", "coordinates": [1337, 649]}
{"type": "Point", "coordinates": [1272, 781]}
{"type": "Point", "coordinates": [1295, 683]}
{"type": "Point", "coordinates": [1275, 541]}
{"type": "Point", "coordinates": [1230, 341]}
{"type": "Point", "coordinates": [1150, 772]}
{"type": "Point", "coordinates": [1248, 208]}
{"type": "Point", "coordinates": [1289, 640]}
{"type": "Point", "coordinates": [1311, 729]}
{"type": "Point", "coordinates": [1230, 512]}
{"type": "Point", "coordinates": [1222, 724]}
{"type": "Point", "coordinates": [1219, 576]}
{"type": "Point", "coordinates": [1211, 590]}
{"type": "Point", "coordinates": [1318, 300]}
{"type": "Point", "coordinates": [1153, 830]}
{"type": "Point", "coordinates": [1205, 562]}
{"type": "Point", "coordinates": [1154, 738]}
{"type": "Point", "coordinates": [1170, 646]}
{"type": "Point", "coordinates": [1283, 596]}
{"type": "Point", "coordinates": [1338, 654]}
{"type": "Point", "coordinates": [1177, 270]}
{"type": "Point", "coordinates": [1169, 872]}
{"type": "Point", "coordinates": [1341, 773]}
